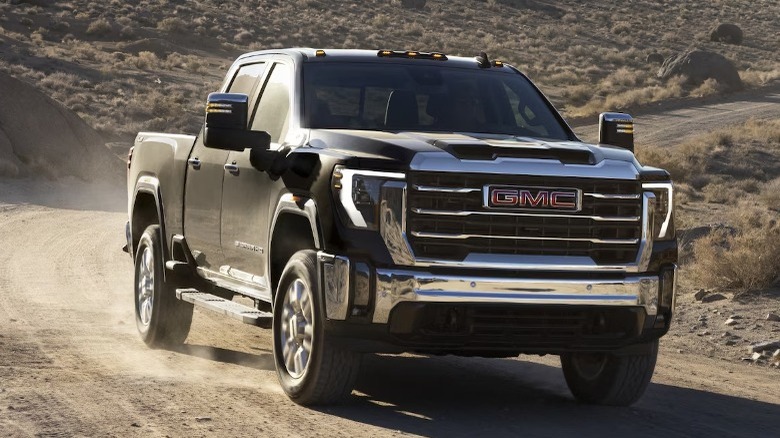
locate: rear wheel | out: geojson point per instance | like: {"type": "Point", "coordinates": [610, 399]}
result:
{"type": "Point", "coordinates": [162, 320]}
{"type": "Point", "coordinates": [609, 379]}
{"type": "Point", "coordinates": [312, 369]}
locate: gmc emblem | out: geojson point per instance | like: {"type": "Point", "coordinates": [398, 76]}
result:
{"type": "Point", "coordinates": [532, 198]}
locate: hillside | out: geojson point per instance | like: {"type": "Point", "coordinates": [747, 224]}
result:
{"type": "Point", "coordinates": [66, 147]}
{"type": "Point", "coordinates": [125, 67]}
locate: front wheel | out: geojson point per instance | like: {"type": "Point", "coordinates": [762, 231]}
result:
{"type": "Point", "coordinates": [609, 379]}
{"type": "Point", "coordinates": [312, 369]}
{"type": "Point", "coordinates": [162, 320]}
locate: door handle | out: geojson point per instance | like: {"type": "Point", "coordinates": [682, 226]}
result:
{"type": "Point", "coordinates": [232, 168]}
{"type": "Point", "coordinates": [194, 162]}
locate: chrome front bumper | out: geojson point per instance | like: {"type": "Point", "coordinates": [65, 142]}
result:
{"type": "Point", "coordinates": [390, 287]}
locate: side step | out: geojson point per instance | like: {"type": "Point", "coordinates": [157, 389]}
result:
{"type": "Point", "coordinates": [245, 314]}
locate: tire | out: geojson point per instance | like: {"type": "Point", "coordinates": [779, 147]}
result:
{"type": "Point", "coordinates": [608, 379]}
{"type": "Point", "coordinates": [312, 369]}
{"type": "Point", "coordinates": [162, 320]}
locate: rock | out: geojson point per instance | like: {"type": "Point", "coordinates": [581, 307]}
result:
{"type": "Point", "coordinates": [735, 317]}
{"type": "Point", "coordinates": [135, 425]}
{"type": "Point", "coordinates": [731, 342]}
{"type": "Point", "coordinates": [776, 358]}
{"type": "Point", "coordinates": [699, 65]}
{"type": "Point", "coordinates": [655, 58]}
{"type": "Point", "coordinates": [764, 346]}
{"type": "Point", "coordinates": [712, 298]}
{"type": "Point", "coordinates": [413, 4]}
{"type": "Point", "coordinates": [773, 317]}
{"type": "Point", "coordinates": [202, 419]}
{"type": "Point", "coordinates": [731, 321]}
{"type": "Point", "coordinates": [698, 296]}
{"type": "Point", "coordinates": [756, 357]}
{"type": "Point", "coordinates": [727, 33]}
{"type": "Point", "coordinates": [705, 333]}
{"type": "Point", "coordinates": [726, 335]}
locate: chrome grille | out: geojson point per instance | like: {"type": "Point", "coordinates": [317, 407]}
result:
{"type": "Point", "coordinates": [446, 219]}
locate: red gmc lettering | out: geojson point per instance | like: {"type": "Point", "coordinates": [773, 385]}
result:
{"type": "Point", "coordinates": [503, 197]}
{"type": "Point", "coordinates": [519, 198]}
{"type": "Point", "coordinates": [542, 198]}
{"type": "Point", "coordinates": [563, 200]}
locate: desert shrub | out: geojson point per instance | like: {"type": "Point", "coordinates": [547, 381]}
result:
{"type": "Point", "coordinates": [565, 77]}
{"type": "Point", "coordinates": [744, 260]}
{"type": "Point", "coordinates": [578, 94]}
{"type": "Point", "coordinates": [101, 26]}
{"type": "Point", "coordinates": [172, 24]}
{"type": "Point", "coordinates": [709, 87]}
{"type": "Point", "coordinates": [243, 36]}
{"type": "Point", "coordinates": [621, 27]}
{"type": "Point", "coordinates": [60, 81]}
{"type": "Point", "coordinates": [759, 78]}
{"type": "Point", "coordinates": [126, 32]}
{"type": "Point", "coordinates": [145, 60]}
{"type": "Point", "coordinates": [770, 194]}
{"type": "Point", "coordinates": [59, 25]}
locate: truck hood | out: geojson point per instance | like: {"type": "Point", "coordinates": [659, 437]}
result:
{"type": "Point", "coordinates": [403, 147]}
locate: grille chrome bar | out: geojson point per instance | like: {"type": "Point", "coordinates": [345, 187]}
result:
{"type": "Point", "coordinates": [423, 234]}
{"type": "Point", "coordinates": [435, 189]}
{"type": "Point", "coordinates": [612, 196]}
{"type": "Point", "coordinates": [420, 188]}
{"type": "Point", "coordinates": [461, 213]}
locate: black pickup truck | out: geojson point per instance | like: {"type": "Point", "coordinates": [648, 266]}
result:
{"type": "Point", "coordinates": [402, 201]}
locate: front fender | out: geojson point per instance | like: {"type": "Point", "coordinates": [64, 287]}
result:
{"type": "Point", "coordinates": [302, 206]}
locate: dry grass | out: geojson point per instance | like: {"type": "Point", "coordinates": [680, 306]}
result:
{"type": "Point", "coordinates": [744, 260]}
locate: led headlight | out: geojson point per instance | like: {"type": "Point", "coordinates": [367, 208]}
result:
{"type": "Point", "coordinates": [359, 193]}
{"type": "Point", "coordinates": [663, 219]}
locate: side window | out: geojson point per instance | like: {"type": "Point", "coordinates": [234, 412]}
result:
{"type": "Point", "coordinates": [273, 109]}
{"type": "Point", "coordinates": [246, 80]}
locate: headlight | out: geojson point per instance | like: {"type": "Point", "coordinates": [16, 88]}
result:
{"type": "Point", "coordinates": [359, 192]}
{"type": "Point", "coordinates": [663, 219]}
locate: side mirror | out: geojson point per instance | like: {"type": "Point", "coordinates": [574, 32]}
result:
{"type": "Point", "coordinates": [226, 124]}
{"type": "Point", "coordinates": [617, 129]}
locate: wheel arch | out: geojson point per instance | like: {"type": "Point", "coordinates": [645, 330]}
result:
{"type": "Point", "coordinates": [147, 210]}
{"type": "Point", "coordinates": [294, 227]}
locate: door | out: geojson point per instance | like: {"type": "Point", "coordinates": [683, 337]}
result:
{"type": "Point", "coordinates": [203, 186]}
{"type": "Point", "coordinates": [246, 204]}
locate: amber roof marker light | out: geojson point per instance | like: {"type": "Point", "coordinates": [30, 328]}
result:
{"type": "Point", "coordinates": [411, 54]}
{"type": "Point", "coordinates": [319, 53]}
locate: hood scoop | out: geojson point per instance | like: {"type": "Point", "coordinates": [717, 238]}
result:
{"type": "Point", "coordinates": [482, 150]}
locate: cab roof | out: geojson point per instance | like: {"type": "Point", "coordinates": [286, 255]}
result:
{"type": "Point", "coordinates": [306, 54]}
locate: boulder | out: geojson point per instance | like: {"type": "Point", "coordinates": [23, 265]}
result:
{"type": "Point", "coordinates": [727, 33]}
{"type": "Point", "coordinates": [699, 65]}
{"type": "Point", "coordinates": [413, 4]}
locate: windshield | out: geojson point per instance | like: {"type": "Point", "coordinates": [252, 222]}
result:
{"type": "Point", "coordinates": [424, 97]}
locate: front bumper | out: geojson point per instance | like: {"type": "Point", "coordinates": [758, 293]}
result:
{"type": "Point", "coordinates": [357, 289]}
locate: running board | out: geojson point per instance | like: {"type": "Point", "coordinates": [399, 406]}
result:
{"type": "Point", "coordinates": [245, 314]}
